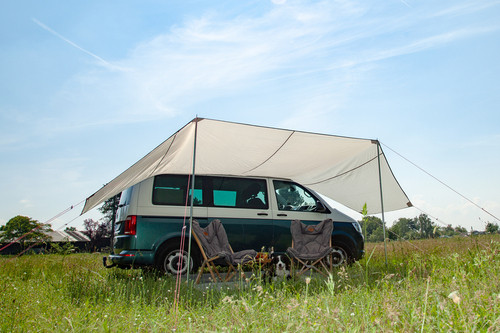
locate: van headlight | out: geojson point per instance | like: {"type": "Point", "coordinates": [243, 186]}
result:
{"type": "Point", "coordinates": [357, 226]}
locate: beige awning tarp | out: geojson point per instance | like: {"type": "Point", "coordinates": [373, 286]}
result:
{"type": "Point", "coordinates": [341, 168]}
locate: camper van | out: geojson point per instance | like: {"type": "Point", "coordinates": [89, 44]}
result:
{"type": "Point", "coordinates": [256, 213]}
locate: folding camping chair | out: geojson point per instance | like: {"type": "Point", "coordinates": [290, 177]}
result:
{"type": "Point", "coordinates": [311, 245]}
{"type": "Point", "coordinates": [214, 246]}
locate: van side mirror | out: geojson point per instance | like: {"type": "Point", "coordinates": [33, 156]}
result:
{"type": "Point", "coordinates": [320, 208]}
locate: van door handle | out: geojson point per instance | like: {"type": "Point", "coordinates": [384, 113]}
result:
{"type": "Point", "coordinates": [262, 214]}
{"type": "Point", "coordinates": [282, 214]}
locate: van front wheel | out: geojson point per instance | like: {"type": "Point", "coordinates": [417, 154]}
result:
{"type": "Point", "coordinates": [342, 255]}
{"type": "Point", "coordinates": [171, 260]}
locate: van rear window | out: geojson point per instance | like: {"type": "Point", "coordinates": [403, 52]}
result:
{"type": "Point", "coordinates": [173, 190]}
{"type": "Point", "coordinates": [210, 191]}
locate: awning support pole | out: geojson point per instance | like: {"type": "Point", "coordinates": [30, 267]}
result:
{"type": "Point", "coordinates": [192, 197]}
{"type": "Point", "coordinates": [381, 200]}
{"type": "Point", "coordinates": [113, 223]}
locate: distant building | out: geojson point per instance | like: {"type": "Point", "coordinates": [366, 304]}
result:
{"type": "Point", "coordinates": [68, 236]}
{"type": "Point", "coordinates": [78, 240]}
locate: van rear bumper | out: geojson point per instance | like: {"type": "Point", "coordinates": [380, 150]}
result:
{"type": "Point", "coordinates": [129, 258]}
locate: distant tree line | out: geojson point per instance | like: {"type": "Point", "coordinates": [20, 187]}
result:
{"type": "Point", "coordinates": [419, 227]}
{"type": "Point", "coordinates": [27, 230]}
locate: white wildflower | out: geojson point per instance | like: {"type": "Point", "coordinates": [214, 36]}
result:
{"type": "Point", "coordinates": [454, 297]}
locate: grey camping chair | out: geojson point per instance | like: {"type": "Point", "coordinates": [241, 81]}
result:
{"type": "Point", "coordinates": [311, 246]}
{"type": "Point", "coordinates": [214, 246]}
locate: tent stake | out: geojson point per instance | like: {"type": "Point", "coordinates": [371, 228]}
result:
{"type": "Point", "coordinates": [192, 197]}
{"type": "Point", "coordinates": [381, 200]}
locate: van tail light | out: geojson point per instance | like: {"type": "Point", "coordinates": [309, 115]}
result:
{"type": "Point", "coordinates": [130, 225]}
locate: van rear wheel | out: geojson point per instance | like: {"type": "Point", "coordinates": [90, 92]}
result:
{"type": "Point", "coordinates": [171, 260]}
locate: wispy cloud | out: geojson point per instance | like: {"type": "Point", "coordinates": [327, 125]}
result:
{"type": "Point", "coordinates": [93, 55]}
{"type": "Point", "coordinates": [490, 141]}
{"type": "Point", "coordinates": [425, 43]}
{"type": "Point", "coordinates": [466, 7]}
{"type": "Point", "coordinates": [26, 203]}
{"type": "Point", "coordinates": [405, 3]}
{"type": "Point", "coordinates": [211, 56]}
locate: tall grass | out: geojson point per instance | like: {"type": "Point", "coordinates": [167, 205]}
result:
{"type": "Point", "coordinates": [432, 285]}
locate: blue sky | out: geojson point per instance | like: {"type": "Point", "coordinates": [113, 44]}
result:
{"type": "Point", "coordinates": [90, 87]}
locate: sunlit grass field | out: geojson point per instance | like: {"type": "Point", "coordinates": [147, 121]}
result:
{"type": "Point", "coordinates": [427, 286]}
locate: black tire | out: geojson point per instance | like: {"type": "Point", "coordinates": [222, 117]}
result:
{"type": "Point", "coordinates": [342, 254]}
{"type": "Point", "coordinates": [169, 258]}
{"type": "Point", "coordinates": [337, 258]}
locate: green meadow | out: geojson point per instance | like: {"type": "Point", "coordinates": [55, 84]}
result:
{"type": "Point", "coordinates": [426, 286]}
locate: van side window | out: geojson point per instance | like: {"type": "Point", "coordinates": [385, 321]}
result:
{"type": "Point", "coordinates": [239, 193]}
{"type": "Point", "coordinates": [172, 190]}
{"type": "Point", "coordinates": [292, 197]}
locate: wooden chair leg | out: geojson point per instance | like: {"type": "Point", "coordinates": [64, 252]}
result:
{"type": "Point", "coordinates": [308, 265]}
{"type": "Point", "coordinates": [230, 273]}
{"type": "Point", "coordinates": [213, 269]}
{"type": "Point", "coordinates": [315, 267]}
{"type": "Point", "coordinates": [325, 267]}
{"type": "Point", "coordinates": [200, 272]}
{"type": "Point", "coordinates": [304, 267]}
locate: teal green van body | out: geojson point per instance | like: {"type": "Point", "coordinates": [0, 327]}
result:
{"type": "Point", "coordinates": [153, 218]}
